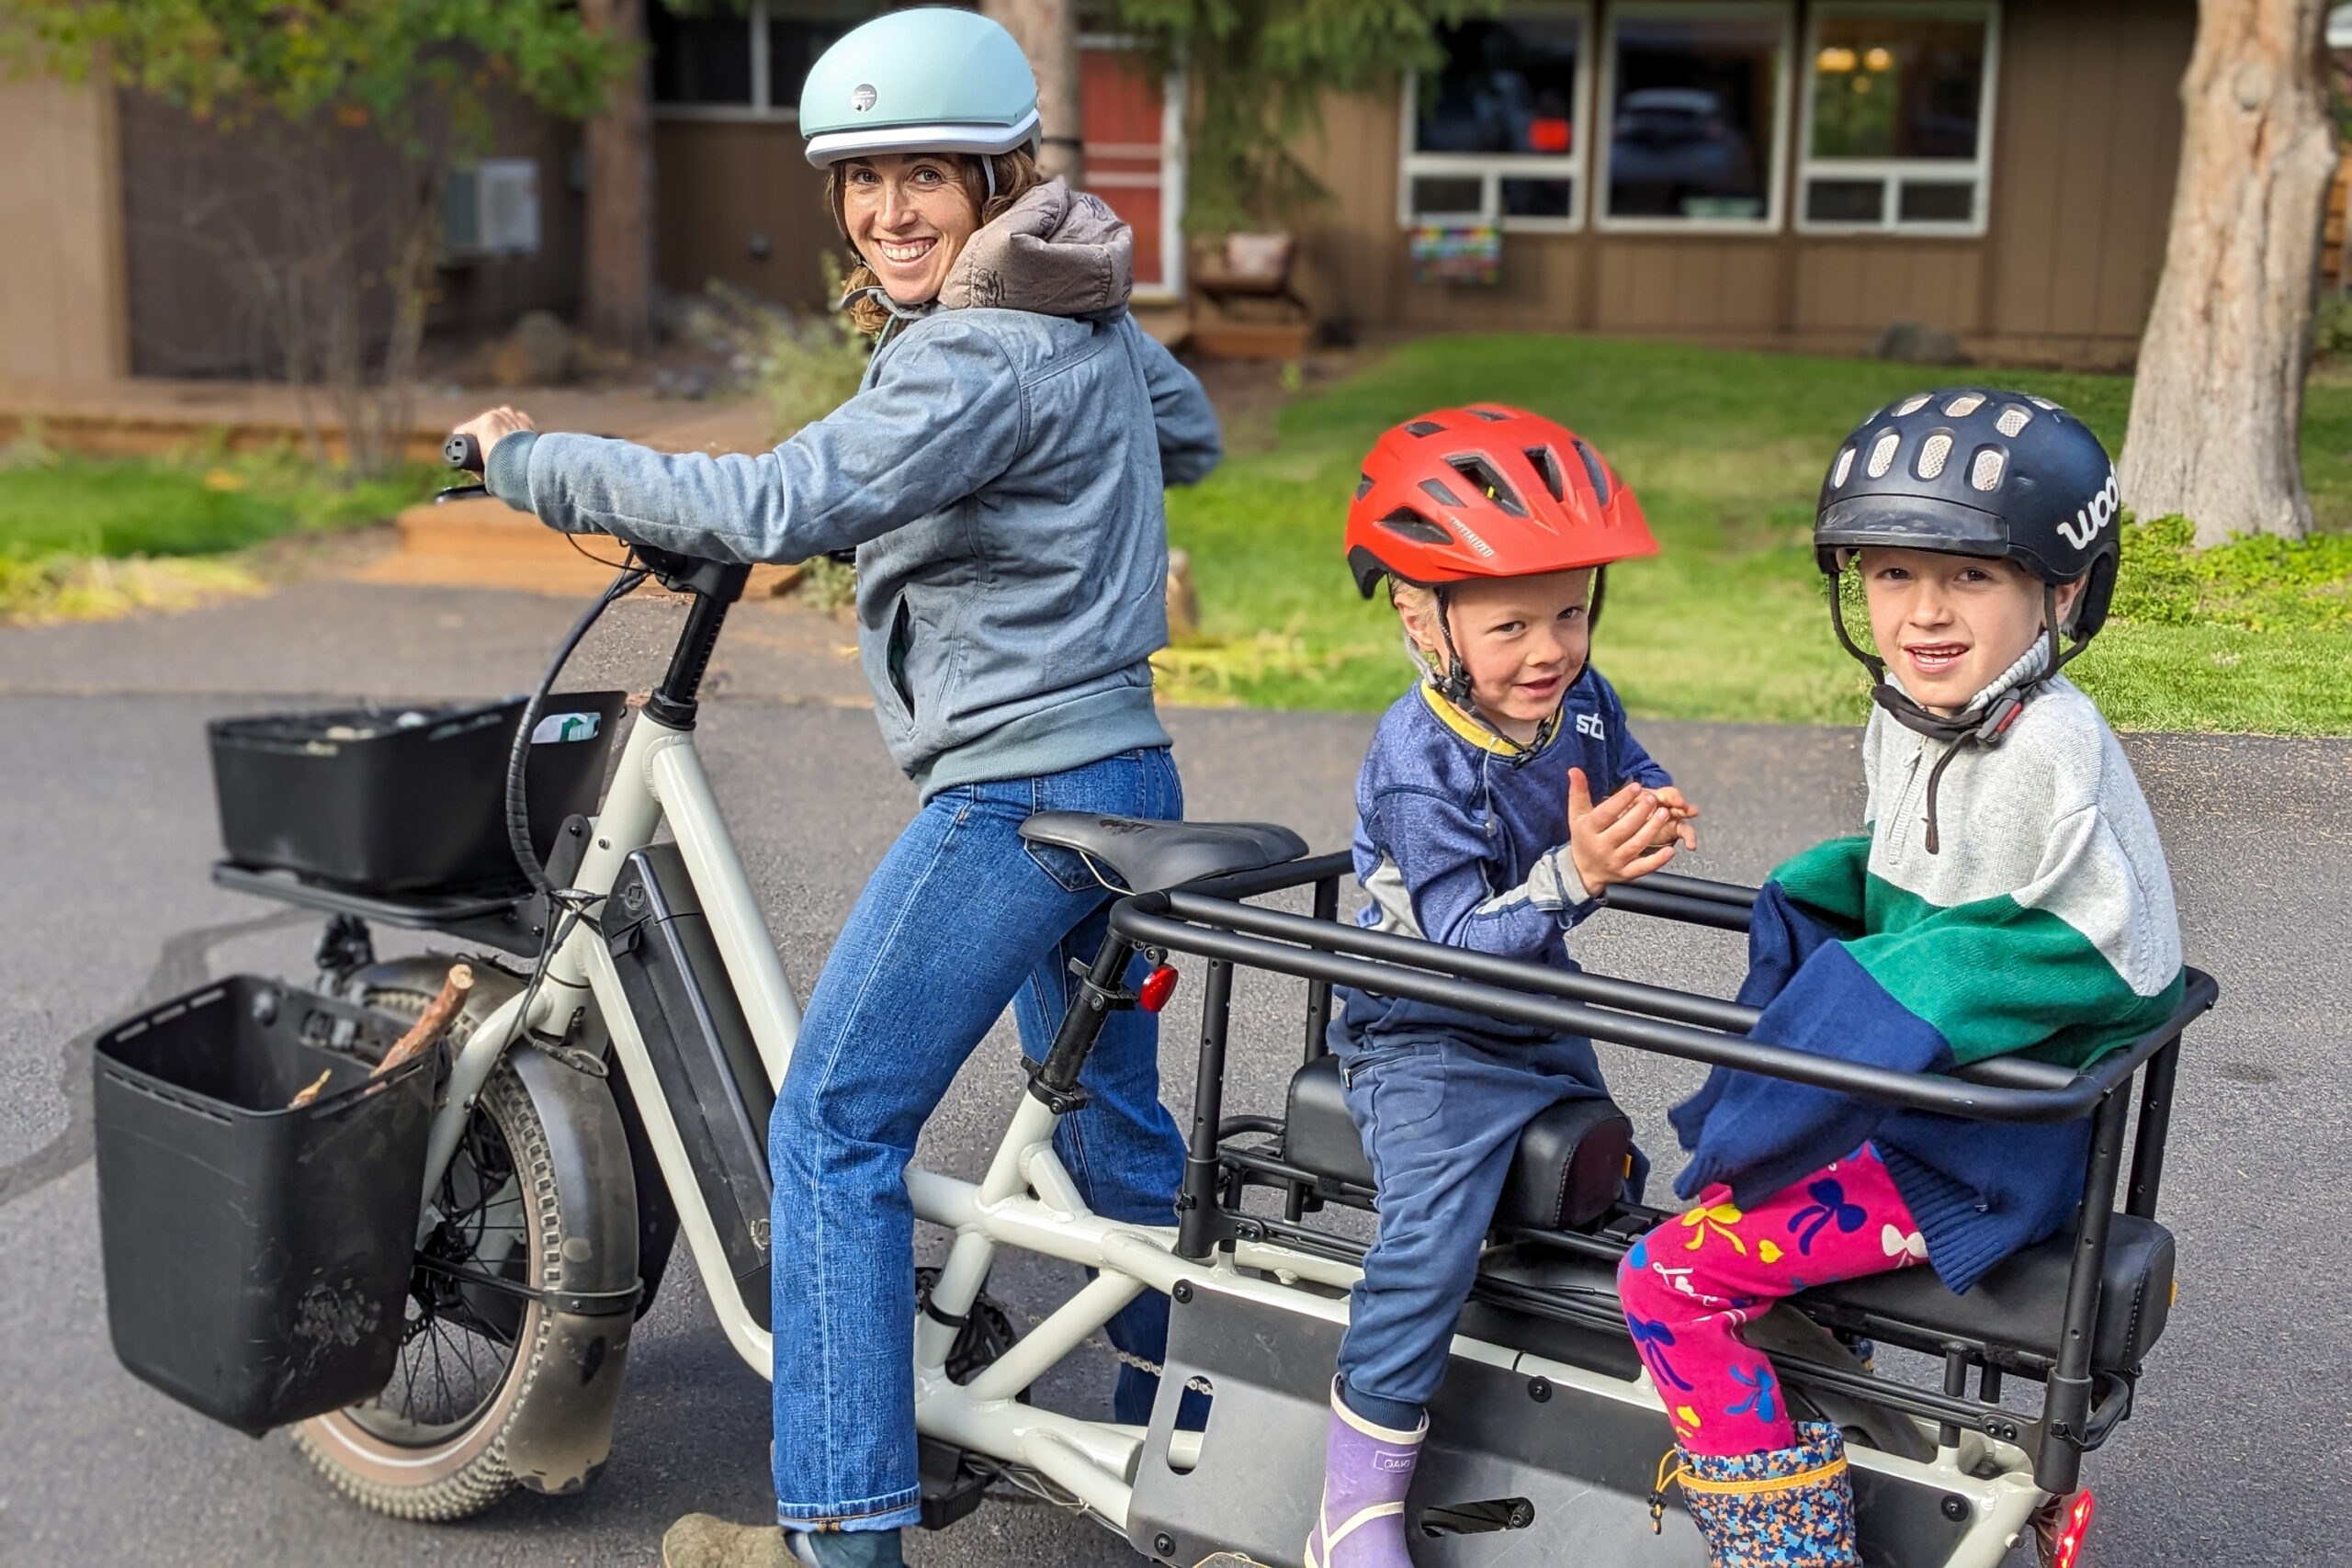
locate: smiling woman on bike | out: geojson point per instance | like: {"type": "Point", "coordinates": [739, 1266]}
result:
{"type": "Point", "coordinates": [998, 475]}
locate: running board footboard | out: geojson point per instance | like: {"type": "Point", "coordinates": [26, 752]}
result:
{"type": "Point", "coordinates": [1506, 1452]}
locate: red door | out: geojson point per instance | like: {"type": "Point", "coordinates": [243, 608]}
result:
{"type": "Point", "coordinates": [1128, 161]}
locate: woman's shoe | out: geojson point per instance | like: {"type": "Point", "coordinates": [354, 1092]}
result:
{"type": "Point", "coordinates": [1790, 1507]}
{"type": "Point", "coordinates": [1367, 1471]}
{"type": "Point", "coordinates": [698, 1540]}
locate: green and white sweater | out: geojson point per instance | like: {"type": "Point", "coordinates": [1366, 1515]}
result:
{"type": "Point", "coordinates": [2044, 926]}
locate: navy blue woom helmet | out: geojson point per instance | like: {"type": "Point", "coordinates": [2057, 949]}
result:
{"type": "Point", "coordinates": [1976, 471]}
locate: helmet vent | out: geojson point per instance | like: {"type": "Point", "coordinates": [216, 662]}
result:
{"type": "Point", "coordinates": [2042, 403]}
{"type": "Point", "coordinates": [1547, 468]}
{"type": "Point", "coordinates": [1423, 427]}
{"type": "Point", "coordinates": [2013, 418]}
{"type": "Point", "coordinates": [1435, 489]}
{"type": "Point", "coordinates": [1407, 523]}
{"type": "Point", "coordinates": [1963, 405]}
{"type": "Point", "coordinates": [1845, 466]}
{"type": "Point", "coordinates": [1492, 416]}
{"type": "Point", "coordinates": [1984, 473]}
{"type": "Point", "coordinates": [1595, 472]}
{"type": "Point", "coordinates": [1488, 482]}
{"type": "Point", "coordinates": [1364, 485]}
{"type": "Point", "coordinates": [1911, 405]}
{"type": "Point", "coordinates": [1935, 455]}
{"type": "Point", "coordinates": [1883, 454]}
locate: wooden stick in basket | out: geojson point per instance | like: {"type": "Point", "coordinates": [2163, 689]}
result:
{"type": "Point", "coordinates": [429, 1029]}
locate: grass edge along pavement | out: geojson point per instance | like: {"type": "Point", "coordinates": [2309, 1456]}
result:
{"type": "Point", "coordinates": [91, 539]}
{"type": "Point", "coordinates": [1726, 450]}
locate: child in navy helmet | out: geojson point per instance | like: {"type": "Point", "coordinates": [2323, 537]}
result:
{"type": "Point", "coordinates": [1477, 826]}
{"type": "Point", "coordinates": [2009, 894]}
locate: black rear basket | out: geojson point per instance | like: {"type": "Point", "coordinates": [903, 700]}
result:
{"type": "Point", "coordinates": [257, 1258]}
{"type": "Point", "coordinates": [396, 800]}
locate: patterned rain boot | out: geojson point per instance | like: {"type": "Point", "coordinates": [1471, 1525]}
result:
{"type": "Point", "coordinates": [1367, 1471]}
{"type": "Point", "coordinates": [1790, 1507]}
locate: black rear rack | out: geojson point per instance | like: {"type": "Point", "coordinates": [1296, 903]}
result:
{"type": "Point", "coordinates": [1209, 918]}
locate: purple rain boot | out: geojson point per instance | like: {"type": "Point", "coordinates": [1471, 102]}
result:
{"type": "Point", "coordinates": [1367, 1471]}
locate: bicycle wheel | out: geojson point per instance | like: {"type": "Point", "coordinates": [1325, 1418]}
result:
{"type": "Point", "coordinates": [431, 1445]}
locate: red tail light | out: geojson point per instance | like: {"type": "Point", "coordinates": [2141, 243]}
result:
{"type": "Point", "coordinates": [1156, 988]}
{"type": "Point", "coordinates": [2076, 1525]}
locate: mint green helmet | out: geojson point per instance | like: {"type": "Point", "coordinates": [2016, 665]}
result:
{"type": "Point", "coordinates": [928, 80]}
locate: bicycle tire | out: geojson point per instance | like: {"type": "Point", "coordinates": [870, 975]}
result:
{"type": "Point", "coordinates": [381, 1457]}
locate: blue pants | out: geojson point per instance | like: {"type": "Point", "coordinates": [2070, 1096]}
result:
{"type": "Point", "coordinates": [961, 919]}
{"type": "Point", "coordinates": [1441, 1117]}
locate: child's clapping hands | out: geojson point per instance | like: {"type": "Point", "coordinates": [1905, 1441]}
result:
{"type": "Point", "coordinates": [1631, 834]}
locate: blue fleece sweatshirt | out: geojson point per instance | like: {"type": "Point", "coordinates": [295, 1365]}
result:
{"type": "Point", "coordinates": [1461, 838]}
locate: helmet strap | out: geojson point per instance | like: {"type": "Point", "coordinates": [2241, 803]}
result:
{"type": "Point", "coordinates": [1455, 686]}
{"type": "Point", "coordinates": [988, 168]}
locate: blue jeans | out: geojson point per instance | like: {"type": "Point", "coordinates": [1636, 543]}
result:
{"type": "Point", "coordinates": [961, 919]}
{"type": "Point", "coordinates": [1441, 1118]}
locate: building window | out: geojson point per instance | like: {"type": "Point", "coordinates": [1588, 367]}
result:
{"type": "Point", "coordinates": [1898, 119]}
{"type": "Point", "coordinates": [1695, 131]}
{"type": "Point", "coordinates": [1494, 134]}
{"type": "Point", "coordinates": [742, 65]}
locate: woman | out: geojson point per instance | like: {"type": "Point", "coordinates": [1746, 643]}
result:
{"type": "Point", "coordinates": [998, 475]}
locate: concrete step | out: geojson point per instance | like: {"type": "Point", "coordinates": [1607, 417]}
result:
{"type": "Point", "coordinates": [484, 543]}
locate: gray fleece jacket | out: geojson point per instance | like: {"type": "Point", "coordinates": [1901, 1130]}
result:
{"type": "Point", "coordinates": [999, 474]}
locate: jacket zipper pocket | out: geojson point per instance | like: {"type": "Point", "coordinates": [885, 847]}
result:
{"type": "Point", "coordinates": [895, 656]}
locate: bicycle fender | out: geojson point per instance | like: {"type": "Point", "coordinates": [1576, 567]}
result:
{"type": "Point", "coordinates": [564, 1433]}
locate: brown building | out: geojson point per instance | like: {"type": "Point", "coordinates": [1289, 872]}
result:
{"type": "Point", "coordinates": [1800, 173]}
{"type": "Point", "coordinates": [1796, 173]}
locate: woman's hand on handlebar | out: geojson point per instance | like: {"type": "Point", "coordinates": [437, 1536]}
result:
{"type": "Point", "coordinates": [489, 429]}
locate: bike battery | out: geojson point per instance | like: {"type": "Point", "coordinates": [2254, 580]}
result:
{"type": "Point", "coordinates": [706, 1063]}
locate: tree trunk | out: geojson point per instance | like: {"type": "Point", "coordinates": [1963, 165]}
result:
{"type": "Point", "coordinates": [2218, 404]}
{"type": "Point", "coordinates": [618, 286]}
{"type": "Point", "coordinates": [1048, 33]}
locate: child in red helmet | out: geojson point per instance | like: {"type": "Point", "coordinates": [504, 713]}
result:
{"type": "Point", "coordinates": [1477, 826]}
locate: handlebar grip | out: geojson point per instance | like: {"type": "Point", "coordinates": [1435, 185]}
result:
{"type": "Point", "coordinates": [462, 451]}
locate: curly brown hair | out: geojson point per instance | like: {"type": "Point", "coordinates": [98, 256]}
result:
{"type": "Point", "coordinates": [1016, 175]}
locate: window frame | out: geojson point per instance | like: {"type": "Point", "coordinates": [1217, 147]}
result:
{"type": "Point", "coordinates": [1776, 195]}
{"type": "Point", "coordinates": [1892, 172]}
{"type": "Point", "coordinates": [1490, 169]}
{"type": "Point", "coordinates": [760, 110]}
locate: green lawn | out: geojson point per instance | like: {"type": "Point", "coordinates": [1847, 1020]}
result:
{"type": "Point", "coordinates": [57, 505]}
{"type": "Point", "coordinates": [1727, 453]}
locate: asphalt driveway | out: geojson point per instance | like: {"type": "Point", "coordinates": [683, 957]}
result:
{"type": "Point", "coordinates": [2238, 1453]}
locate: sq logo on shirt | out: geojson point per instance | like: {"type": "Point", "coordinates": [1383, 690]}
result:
{"type": "Point", "coordinates": [1590, 723]}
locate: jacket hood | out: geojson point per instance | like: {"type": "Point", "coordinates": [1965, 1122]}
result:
{"type": "Point", "coordinates": [1055, 252]}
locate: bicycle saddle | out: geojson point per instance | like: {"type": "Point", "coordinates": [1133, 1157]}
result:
{"type": "Point", "coordinates": [1149, 856]}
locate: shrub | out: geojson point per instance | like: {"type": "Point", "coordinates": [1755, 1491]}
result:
{"type": "Point", "coordinates": [2260, 583]}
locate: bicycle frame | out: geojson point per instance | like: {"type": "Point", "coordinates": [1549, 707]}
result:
{"type": "Point", "coordinates": [1982, 1477]}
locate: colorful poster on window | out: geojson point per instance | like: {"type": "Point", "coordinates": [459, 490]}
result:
{"type": "Point", "coordinates": [1467, 254]}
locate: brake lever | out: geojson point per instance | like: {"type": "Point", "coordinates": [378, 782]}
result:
{"type": "Point", "coordinates": [463, 452]}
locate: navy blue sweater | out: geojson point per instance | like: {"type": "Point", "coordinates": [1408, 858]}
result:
{"type": "Point", "coordinates": [1463, 838]}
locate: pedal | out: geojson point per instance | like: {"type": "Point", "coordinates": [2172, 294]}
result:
{"type": "Point", "coordinates": [951, 1489]}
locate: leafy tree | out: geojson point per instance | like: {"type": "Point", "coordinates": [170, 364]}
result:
{"type": "Point", "coordinates": [350, 117]}
{"type": "Point", "coordinates": [1259, 69]}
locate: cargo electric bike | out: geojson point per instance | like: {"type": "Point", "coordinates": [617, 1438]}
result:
{"type": "Point", "coordinates": [607, 1087]}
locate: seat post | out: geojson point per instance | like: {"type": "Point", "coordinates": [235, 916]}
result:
{"type": "Point", "coordinates": [2067, 1401]}
{"type": "Point", "coordinates": [1092, 1000]}
{"type": "Point", "coordinates": [1200, 1223]}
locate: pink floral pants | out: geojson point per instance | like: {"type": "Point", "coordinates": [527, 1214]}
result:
{"type": "Point", "coordinates": [1690, 1285]}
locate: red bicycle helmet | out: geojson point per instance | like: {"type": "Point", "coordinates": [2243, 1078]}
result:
{"type": "Point", "coordinates": [1488, 492]}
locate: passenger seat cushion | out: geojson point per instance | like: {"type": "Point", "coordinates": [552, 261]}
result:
{"type": "Point", "coordinates": [2021, 1300]}
{"type": "Point", "coordinates": [1570, 1168]}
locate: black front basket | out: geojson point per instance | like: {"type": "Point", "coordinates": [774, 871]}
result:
{"type": "Point", "coordinates": [398, 799]}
